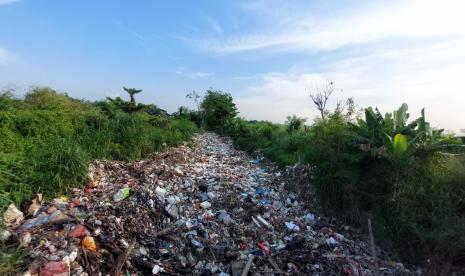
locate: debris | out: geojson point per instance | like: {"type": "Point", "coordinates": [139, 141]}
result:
{"type": "Point", "coordinates": [5, 235]}
{"type": "Point", "coordinates": [43, 219]}
{"type": "Point", "coordinates": [205, 205]}
{"type": "Point", "coordinates": [56, 269]}
{"type": "Point", "coordinates": [122, 194]}
{"type": "Point", "coordinates": [89, 243]}
{"type": "Point", "coordinates": [122, 258]}
{"type": "Point", "coordinates": [35, 205]}
{"type": "Point", "coordinates": [160, 192]}
{"type": "Point", "coordinates": [51, 210]}
{"type": "Point", "coordinates": [12, 216]}
{"type": "Point", "coordinates": [264, 222]}
{"type": "Point", "coordinates": [373, 248]}
{"type": "Point", "coordinates": [25, 238]}
{"type": "Point", "coordinates": [204, 210]}
{"type": "Point", "coordinates": [79, 231]}
{"type": "Point", "coordinates": [172, 210]}
{"type": "Point", "coordinates": [156, 269]}
{"type": "Point", "coordinates": [292, 226]}
{"type": "Point", "coordinates": [247, 266]}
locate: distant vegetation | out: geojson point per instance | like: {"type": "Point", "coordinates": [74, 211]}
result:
{"type": "Point", "coordinates": [407, 175]}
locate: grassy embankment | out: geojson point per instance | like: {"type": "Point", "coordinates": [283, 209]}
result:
{"type": "Point", "coordinates": [47, 140]}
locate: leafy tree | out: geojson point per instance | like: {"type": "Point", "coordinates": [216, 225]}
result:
{"type": "Point", "coordinates": [294, 123]}
{"type": "Point", "coordinates": [132, 92]}
{"type": "Point", "coordinates": [217, 107]}
{"type": "Point", "coordinates": [113, 105]}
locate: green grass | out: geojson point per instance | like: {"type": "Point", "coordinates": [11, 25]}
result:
{"type": "Point", "coordinates": [11, 257]}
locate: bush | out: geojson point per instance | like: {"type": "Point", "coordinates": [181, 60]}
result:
{"type": "Point", "coordinates": [217, 108]}
{"type": "Point", "coordinates": [406, 174]}
{"type": "Point", "coordinates": [58, 165]}
{"type": "Point", "coordinates": [49, 138]}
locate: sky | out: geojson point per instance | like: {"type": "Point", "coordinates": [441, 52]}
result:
{"type": "Point", "coordinates": [269, 54]}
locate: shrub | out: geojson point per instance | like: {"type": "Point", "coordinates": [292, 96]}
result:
{"type": "Point", "coordinates": [405, 173]}
{"type": "Point", "coordinates": [58, 165]}
{"type": "Point", "coordinates": [217, 108]}
{"type": "Point", "coordinates": [48, 139]}
{"type": "Point", "coordinates": [294, 123]}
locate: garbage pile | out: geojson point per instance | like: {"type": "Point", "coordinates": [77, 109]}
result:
{"type": "Point", "coordinates": [207, 210]}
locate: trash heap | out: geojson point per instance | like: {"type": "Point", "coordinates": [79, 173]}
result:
{"type": "Point", "coordinates": [207, 210]}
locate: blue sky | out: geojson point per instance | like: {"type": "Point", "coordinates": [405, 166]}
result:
{"type": "Point", "coordinates": [268, 54]}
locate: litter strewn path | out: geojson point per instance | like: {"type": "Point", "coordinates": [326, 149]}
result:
{"type": "Point", "coordinates": [210, 210]}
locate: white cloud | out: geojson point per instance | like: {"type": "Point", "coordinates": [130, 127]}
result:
{"type": "Point", "coordinates": [413, 19]}
{"type": "Point", "coordinates": [427, 76]}
{"type": "Point", "coordinates": [7, 57]}
{"type": "Point", "coordinates": [194, 75]}
{"type": "Point", "coordinates": [6, 2]}
{"type": "Point", "coordinates": [214, 24]}
{"type": "Point", "coordinates": [141, 38]}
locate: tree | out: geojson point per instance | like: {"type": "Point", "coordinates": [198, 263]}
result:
{"type": "Point", "coordinates": [217, 107]}
{"type": "Point", "coordinates": [294, 123]}
{"type": "Point", "coordinates": [320, 95]}
{"type": "Point", "coordinates": [196, 97]}
{"type": "Point", "coordinates": [132, 92]}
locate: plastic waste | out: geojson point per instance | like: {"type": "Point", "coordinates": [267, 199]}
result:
{"type": "Point", "coordinates": [292, 226]}
{"type": "Point", "coordinates": [203, 196]}
{"type": "Point", "coordinates": [309, 218]}
{"type": "Point", "coordinates": [44, 218]}
{"type": "Point", "coordinates": [78, 231]}
{"type": "Point", "coordinates": [35, 205]}
{"type": "Point", "coordinates": [5, 235]}
{"type": "Point", "coordinates": [122, 194]}
{"type": "Point", "coordinates": [172, 210]}
{"type": "Point", "coordinates": [13, 216]}
{"type": "Point", "coordinates": [331, 241]}
{"type": "Point", "coordinates": [262, 191]}
{"type": "Point", "coordinates": [160, 192]}
{"type": "Point", "coordinates": [156, 269]}
{"type": "Point", "coordinates": [55, 268]}
{"type": "Point", "coordinates": [264, 246]}
{"type": "Point", "coordinates": [205, 204]}
{"type": "Point", "coordinates": [224, 217]}
{"type": "Point", "coordinates": [89, 243]}
{"type": "Point", "coordinates": [264, 222]}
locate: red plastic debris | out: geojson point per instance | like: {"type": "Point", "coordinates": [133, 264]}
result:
{"type": "Point", "coordinates": [79, 231]}
{"type": "Point", "coordinates": [51, 210]}
{"type": "Point", "coordinates": [263, 245]}
{"type": "Point", "coordinates": [55, 268]}
{"type": "Point", "coordinates": [75, 202]}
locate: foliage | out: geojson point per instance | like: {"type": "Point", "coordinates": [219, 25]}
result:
{"type": "Point", "coordinates": [132, 103]}
{"type": "Point", "coordinates": [11, 257]}
{"type": "Point", "coordinates": [294, 123]}
{"type": "Point", "coordinates": [188, 114]}
{"type": "Point", "coordinates": [217, 108]}
{"type": "Point", "coordinates": [48, 138]}
{"type": "Point", "coordinates": [408, 175]}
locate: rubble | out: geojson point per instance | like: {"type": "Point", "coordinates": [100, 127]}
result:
{"type": "Point", "coordinates": [12, 216]}
{"type": "Point", "coordinates": [207, 210]}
